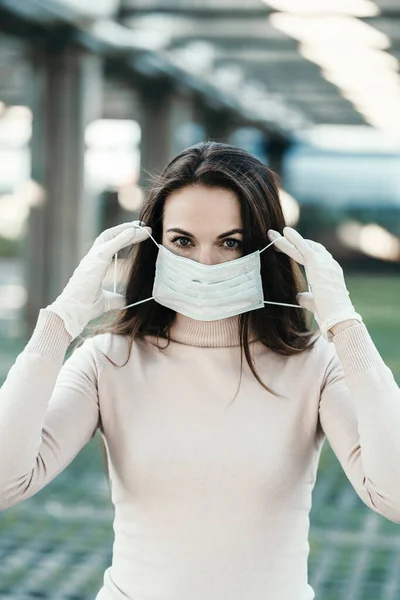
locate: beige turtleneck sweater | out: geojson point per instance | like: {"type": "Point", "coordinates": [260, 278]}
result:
{"type": "Point", "coordinates": [211, 497]}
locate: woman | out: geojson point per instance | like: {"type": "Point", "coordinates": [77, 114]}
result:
{"type": "Point", "coordinates": [212, 401]}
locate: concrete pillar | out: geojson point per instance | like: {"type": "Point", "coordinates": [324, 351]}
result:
{"type": "Point", "coordinates": [157, 121]}
{"type": "Point", "coordinates": [66, 96]}
{"type": "Point", "coordinates": [276, 149]}
{"type": "Point", "coordinates": [218, 124]}
{"type": "Point", "coordinates": [187, 131]}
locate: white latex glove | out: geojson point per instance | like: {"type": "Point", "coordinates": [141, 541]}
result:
{"type": "Point", "coordinates": [328, 297]}
{"type": "Point", "coordinates": [83, 298]}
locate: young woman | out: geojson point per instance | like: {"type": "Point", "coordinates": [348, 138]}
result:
{"type": "Point", "coordinates": [212, 395]}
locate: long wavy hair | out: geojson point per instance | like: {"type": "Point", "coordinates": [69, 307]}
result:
{"type": "Point", "coordinates": [210, 164]}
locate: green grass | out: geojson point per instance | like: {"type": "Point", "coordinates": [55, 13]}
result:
{"type": "Point", "coordinates": [377, 299]}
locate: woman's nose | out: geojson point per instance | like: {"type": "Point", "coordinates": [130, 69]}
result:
{"type": "Point", "coordinates": [207, 256]}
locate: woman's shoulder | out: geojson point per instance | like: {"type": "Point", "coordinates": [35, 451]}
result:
{"type": "Point", "coordinates": [315, 356]}
{"type": "Point", "coordinates": [118, 347]}
{"type": "Point", "coordinates": [99, 344]}
{"type": "Point", "coordinates": [324, 355]}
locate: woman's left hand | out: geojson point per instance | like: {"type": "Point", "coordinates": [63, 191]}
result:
{"type": "Point", "coordinates": [328, 297]}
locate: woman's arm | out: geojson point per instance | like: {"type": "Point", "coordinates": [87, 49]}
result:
{"type": "Point", "coordinates": [342, 326]}
{"type": "Point", "coordinates": [359, 407]}
{"type": "Point", "coordinates": [48, 411]}
{"type": "Point", "coordinates": [359, 412]}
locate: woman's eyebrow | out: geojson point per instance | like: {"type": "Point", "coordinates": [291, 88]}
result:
{"type": "Point", "coordinates": [178, 230]}
{"type": "Point", "coordinates": [231, 232]}
{"type": "Point", "coordinates": [223, 235]}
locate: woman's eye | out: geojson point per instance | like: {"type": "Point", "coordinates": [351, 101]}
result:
{"type": "Point", "coordinates": [232, 244]}
{"type": "Point", "coordinates": [182, 242]}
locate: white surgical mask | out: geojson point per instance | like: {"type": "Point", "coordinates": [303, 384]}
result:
{"type": "Point", "coordinates": [207, 292]}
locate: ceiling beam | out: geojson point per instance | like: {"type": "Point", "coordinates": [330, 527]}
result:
{"type": "Point", "coordinates": [244, 9]}
{"type": "Point", "coordinates": [184, 27]}
{"type": "Point", "coordinates": [203, 8]}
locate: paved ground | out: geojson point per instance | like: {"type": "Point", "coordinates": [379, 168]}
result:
{"type": "Point", "coordinates": [57, 544]}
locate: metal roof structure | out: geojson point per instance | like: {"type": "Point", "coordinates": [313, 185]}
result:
{"type": "Point", "coordinates": [231, 51]}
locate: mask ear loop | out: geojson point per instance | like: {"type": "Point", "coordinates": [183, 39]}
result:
{"type": "Point", "coordinates": [279, 303]}
{"type": "Point", "coordinates": [115, 273]}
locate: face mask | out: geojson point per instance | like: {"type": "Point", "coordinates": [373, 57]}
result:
{"type": "Point", "coordinates": [207, 292]}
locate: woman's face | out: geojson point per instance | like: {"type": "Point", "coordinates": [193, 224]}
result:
{"type": "Point", "coordinates": [203, 224]}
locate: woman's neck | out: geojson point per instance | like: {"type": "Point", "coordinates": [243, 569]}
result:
{"type": "Point", "coordinates": [206, 334]}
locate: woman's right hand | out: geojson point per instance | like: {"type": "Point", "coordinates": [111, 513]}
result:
{"type": "Point", "coordinates": [83, 298]}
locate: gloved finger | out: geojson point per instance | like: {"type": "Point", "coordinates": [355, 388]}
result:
{"type": "Point", "coordinates": [306, 300]}
{"type": "Point", "coordinates": [283, 245]}
{"type": "Point", "coordinates": [302, 245]}
{"type": "Point", "coordinates": [113, 301]}
{"type": "Point", "coordinates": [316, 246]}
{"type": "Point", "coordinates": [112, 232]}
{"type": "Point", "coordinates": [128, 236]}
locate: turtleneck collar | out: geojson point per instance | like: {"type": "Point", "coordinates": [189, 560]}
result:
{"type": "Point", "coordinates": [206, 334]}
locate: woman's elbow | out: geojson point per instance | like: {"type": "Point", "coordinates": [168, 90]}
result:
{"type": "Point", "coordinates": [387, 506]}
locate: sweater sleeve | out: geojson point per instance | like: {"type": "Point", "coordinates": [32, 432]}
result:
{"type": "Point", "coordinates": [48, 411]}
{"type": "Point", "coordinates": [359, 412]}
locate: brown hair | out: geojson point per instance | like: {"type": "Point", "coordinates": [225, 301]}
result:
{"type": "Point", "coordinates": [211, 164]}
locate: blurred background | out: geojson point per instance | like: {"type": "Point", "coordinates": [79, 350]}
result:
{"type": "Point", "coordinates": [95, 96]}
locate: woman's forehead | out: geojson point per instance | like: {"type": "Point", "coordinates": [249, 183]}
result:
{"type": "Point", "coordinates": [202, 206]}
